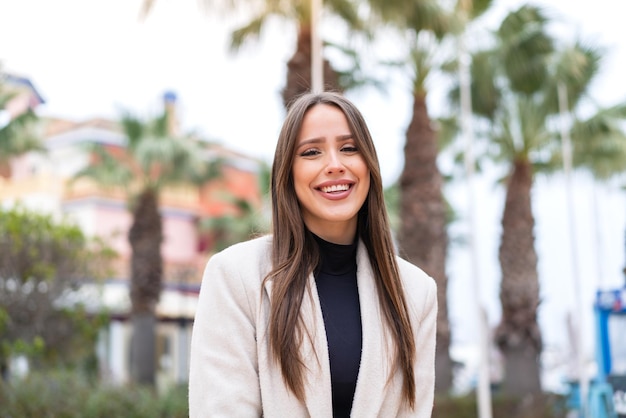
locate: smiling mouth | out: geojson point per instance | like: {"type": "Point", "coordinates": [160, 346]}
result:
{"type": "Point", "coordinates": [335, 188]}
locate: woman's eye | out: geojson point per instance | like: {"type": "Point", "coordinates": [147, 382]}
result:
{"type": "Point", "coordinates": [309, 153]}
{"type": "Point", "coordinates": [349, 148]}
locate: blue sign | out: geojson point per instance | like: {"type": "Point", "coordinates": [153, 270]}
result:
{"type": "Point", "coordinates": [611, 300]}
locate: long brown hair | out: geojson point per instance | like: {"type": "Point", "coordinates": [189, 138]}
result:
{"type": "Point", "coordinates": [295, 252]}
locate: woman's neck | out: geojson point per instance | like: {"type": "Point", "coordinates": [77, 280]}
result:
{"type": "Point", "coordinates": [337, 233]}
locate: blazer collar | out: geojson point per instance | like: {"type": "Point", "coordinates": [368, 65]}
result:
{"type": "Point", "coordinates": [314, 352]}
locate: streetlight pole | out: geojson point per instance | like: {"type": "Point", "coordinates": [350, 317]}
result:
{"type": "Point", "coordinates": [579, 306]}
{"type": "Point", "coordinates": [483, 389]}
{"type": "Point", "coordinates": [317, 62]}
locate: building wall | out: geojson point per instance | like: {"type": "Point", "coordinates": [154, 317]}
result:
{"type": "Point", "coordinates": [45, 181]}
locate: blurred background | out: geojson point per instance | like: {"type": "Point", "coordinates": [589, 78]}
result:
{"type": "Point", "coordinates": [104, 103]}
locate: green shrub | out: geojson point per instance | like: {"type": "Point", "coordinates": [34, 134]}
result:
{"type": "Point", "coordinates": [539, 406]}
{"type": "Point", "coordinates": [64, 394]}
{"type": "Point", "coordinates": [174, 403]}
{"type": "Point", "coordinates": [43, 262]}
{"type": "Point", "coordinates": [55, 394]}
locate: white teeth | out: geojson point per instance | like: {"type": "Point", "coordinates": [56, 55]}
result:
{"type": "Point", "coordinates": [335, 188]}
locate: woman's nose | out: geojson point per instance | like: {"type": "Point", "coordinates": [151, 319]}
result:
{"type": "Point", "coordinates": [334, 163]}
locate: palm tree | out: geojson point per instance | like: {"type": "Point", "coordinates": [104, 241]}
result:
{"type": "Point", "coordinates": [297, 12]}
{"type": "Point", "coordinates": [154, 158]}
{"type": "Point", "coordinates": [423, 211]}
{"type": "Point", "coordinates": [514, 97]}
{"type": "Point", "coordinates": [506, 94]}
{"type": "Point", "coordinates": [18, 135]}
{"type": "Point", "coordinates": [246, 221]}
{"type": "Point", "coordinates": [600, 142]}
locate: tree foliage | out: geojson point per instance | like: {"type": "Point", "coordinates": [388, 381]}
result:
{"type": "Point", "coordinates": [43, 263]}
{"type": "Point", "coordinates": [19, 135]}
{"type": "Point", "coordinates": [246, 222]}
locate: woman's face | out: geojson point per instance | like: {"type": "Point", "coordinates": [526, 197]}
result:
{"type": "Point", "coordinates": [330, 175]}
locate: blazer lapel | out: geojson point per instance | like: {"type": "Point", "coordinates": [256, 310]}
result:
{"type": "Point", "coordinates": [314, 353]}
{"type": "Point", "coordinates": [374, 370]}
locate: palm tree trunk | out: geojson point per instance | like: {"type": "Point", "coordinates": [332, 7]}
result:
{"type": "Point", "coordinates": [518, 334]}
{"type": "Point", "coordinates": [4, 368]}
{"type": "Point", "coordinates": [299, 70]}
{"type": "Point", "coordinates": [423, 238]}
{"type": "Point", "coordinates": [145, 238]}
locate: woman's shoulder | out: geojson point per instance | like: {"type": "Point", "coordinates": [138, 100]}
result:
{"type": "Point", "coordinates": [257, 245]}
{"type": "Point", "coordinates": [420, 289]}
{"type": "Point", "coordinates": [413, 277]}
{"type": "Point", "coordinates": [251, 254]}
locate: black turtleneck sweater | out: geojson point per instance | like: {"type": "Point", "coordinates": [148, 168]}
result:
{"type": "Point", "coordinates": [336, 282]}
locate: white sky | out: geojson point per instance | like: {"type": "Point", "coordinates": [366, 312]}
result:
{"type": "Point", "coordinates": [93, 58]}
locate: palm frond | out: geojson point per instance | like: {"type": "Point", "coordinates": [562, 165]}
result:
{"type": "Point", "coordinates": [532, 122]}
{"type": "Point", "coordinates": [353, 76]}
{"type": "Point", "coordinates": [421, 61]}
{"type": "Point", "coordinates": [247, 32]}
{"type": "Point", "coordinates": [574, 67]}
{"type": "Point", "coordinates": [160, 126]}
{"type": "Point", "coordinates": [486, 95]}
{"type": "Point", "coordinates": [418, 16]}
{"type": "Point", "coordinates": [133, 128]}
{"type": "Point", "coordinates": [347, 10]}
{"type": "Point", "coordinates": [505, 138]}
{"type": "Point", "coordinates": [521, 23]}
{"type": "Point", "coordinates": [447, 131]}
{"type": "Point", "coordinates": [600, 142]}
{"type": "Point", "coordinates": [525, 47]}
{"type": "Point", "coordinates": [19, 136]}
{"type": "Point", "coordinates": [105, 169]}
{"type": "Point", "coordinates": [478, 7]}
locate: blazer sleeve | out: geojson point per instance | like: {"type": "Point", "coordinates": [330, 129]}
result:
{"type": "Point", "coordinates": [223, 375]}
{"type": "Point", "coordinates": [425, 336]}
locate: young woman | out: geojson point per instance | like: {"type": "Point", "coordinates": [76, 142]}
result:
{"type": "Point", "coordinates": [321, 318]}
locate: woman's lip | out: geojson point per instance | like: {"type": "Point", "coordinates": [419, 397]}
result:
{"type": "Point", "coordinates": [338, 195]}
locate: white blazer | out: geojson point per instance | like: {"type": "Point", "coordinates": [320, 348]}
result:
{"type": "Point", "coordinates": [232, 373]}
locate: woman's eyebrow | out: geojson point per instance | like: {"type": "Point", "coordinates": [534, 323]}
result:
{"type": "Point", "coordinates": [318, 140]}
{"type": "Point", "coordinates": [309, 141]}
